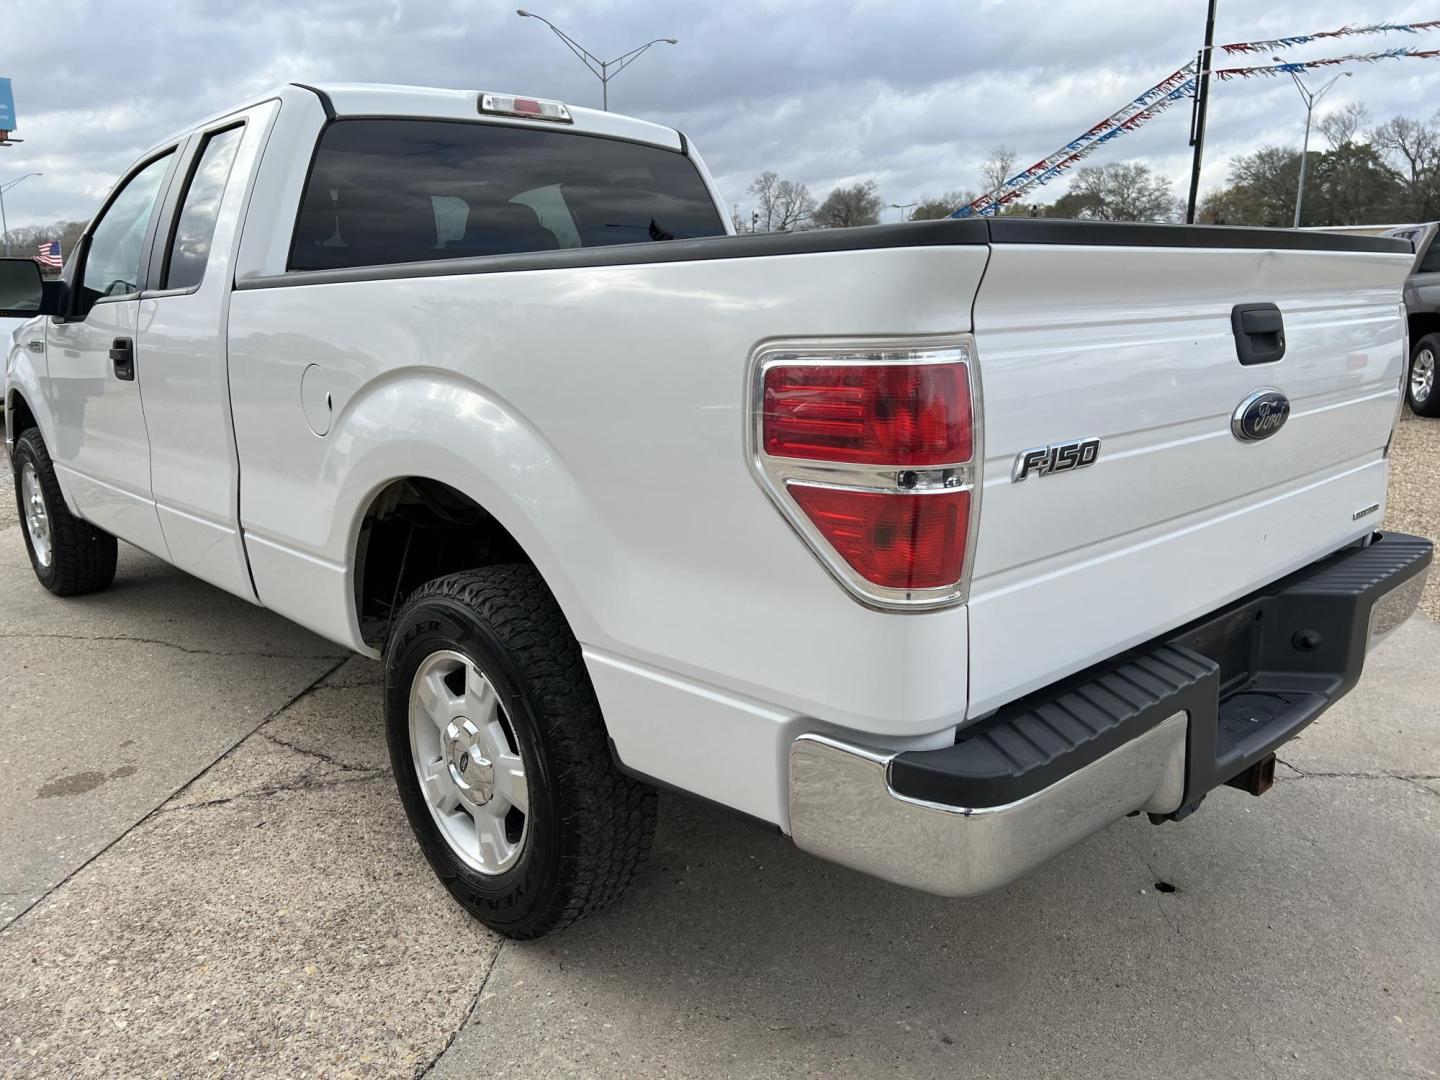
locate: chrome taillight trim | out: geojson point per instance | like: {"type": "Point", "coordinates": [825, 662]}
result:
{"type": "Point", "coordinates": [774, 474]}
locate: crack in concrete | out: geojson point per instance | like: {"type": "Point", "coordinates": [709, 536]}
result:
{"type": "Point", "coordinates": [169, 645]}
{"type": "Point", "coordinates": [1155, 875]}
{"type": "Point", "coordinates": [1415, 780]}
{"type": "Point", "coordinates": [316, 754]}
{"type": "Point", "coordinates": [425, 1070]}
{"type": "Point", "coordinates": [305, 691]}
{"type": "Point", "coordinates": [1305, 775]}
{"type": "Point", "coordinates": [1415, 783]}
{"type": "Point", "coordinates": [306, 782]}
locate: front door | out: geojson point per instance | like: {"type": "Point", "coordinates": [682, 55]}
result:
{"type": "Point", "coordinates": [102, 451]}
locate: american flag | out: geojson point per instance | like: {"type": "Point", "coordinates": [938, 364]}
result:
{"type": "Point", "coordinates": [48, 254]}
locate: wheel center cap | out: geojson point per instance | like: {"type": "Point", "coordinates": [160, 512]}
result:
{"type": "Point", "coordinates": [472, 772]}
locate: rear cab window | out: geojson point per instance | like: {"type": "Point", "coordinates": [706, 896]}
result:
{"type": "Point", "coordinates": [392, 191]}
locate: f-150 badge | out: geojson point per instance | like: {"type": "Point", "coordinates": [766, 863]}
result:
{"type": "Point", "coordinates": [1057, 457]}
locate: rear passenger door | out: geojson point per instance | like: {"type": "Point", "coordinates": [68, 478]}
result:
{"type": "Point", "coordinates": [182, 354]}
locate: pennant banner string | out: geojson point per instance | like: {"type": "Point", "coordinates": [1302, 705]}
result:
{"type": "Point", "coordinates": [1269, 71]}
{"type": "Point", "coordinates": [1344, 31]}
{"type": "Point", "coordinates": [1128, 117]}
{"type": "Point", "coordinates": [1180, 84]}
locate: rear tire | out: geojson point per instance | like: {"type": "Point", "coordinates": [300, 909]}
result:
{"type": "Point", "coordinates": [69, 556]}
{"type": "Point", "coordinates": [1422, 388]}
{"type": "Point", "coordinates": [501, 757]}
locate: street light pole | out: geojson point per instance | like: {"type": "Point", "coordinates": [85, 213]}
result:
{"type": "Point", "coordinates": [902, 207]}
{"type": "Point", "coordinates": [604, 70]}
{"type": "Point", "coordinates": [4, 224]}
{"type": "Point", "coordinates": [1197, 117]}
{"type": "Point", "coordinates": [1310, 100]}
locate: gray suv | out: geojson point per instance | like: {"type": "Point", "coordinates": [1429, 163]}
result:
{"type": "Point", "coordinates": [1422, 303]}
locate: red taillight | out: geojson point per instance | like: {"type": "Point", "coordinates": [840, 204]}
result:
{"type": "Point", "coordinates": [896, 541]}
{"type": "Point", "coordinates": [871, 450]}
{"type": "Point", "coordinates": [906, 415]}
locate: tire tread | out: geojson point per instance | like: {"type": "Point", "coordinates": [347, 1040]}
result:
{"type": "Point", "coordinates": [82, 557]}
{"type": "Point", "coordinates": [607, 819]}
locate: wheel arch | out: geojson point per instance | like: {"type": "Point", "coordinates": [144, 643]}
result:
{"type": "Point", "coordinates": [25, 408]}
{"type": "Point", "coordinates": [412, 530]}
{"type": "Point", "coordinates": [1422, 323]}
{"type": "Point", "coordinates": [441, 460]}
{"type": "Point", "coordinates": [19, 417]}
{"type": "Point", "coordinates": [22, 394]}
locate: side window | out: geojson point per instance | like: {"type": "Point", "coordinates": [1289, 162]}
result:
{"type": "Point", "coordinates": [389, 191]}
{"type": "Point", "coordinates": [112, 267]}
{"type": "Point", "coordinates": [1430, 264]}
{"type": "Point", "coordinates": [190, 246]}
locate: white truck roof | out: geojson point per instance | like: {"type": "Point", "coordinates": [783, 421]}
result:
{"type": "Point", "coordinates": [381, 99]}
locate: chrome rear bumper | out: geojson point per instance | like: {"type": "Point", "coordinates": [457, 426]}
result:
{"type": "Point", "coordinates": [1154, 730]}
{"type": "Point", "coordinates": [842, 808]}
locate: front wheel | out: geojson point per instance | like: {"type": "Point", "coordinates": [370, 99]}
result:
{"type": "Point", "coordinates": [1424, 395]}
{"type": "Point", "coordinates": [501, 757]}
{"type": "Point", "coordinates": [70, 556]}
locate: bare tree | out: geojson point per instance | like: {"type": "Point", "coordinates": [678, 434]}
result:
{"type": "Point", "coordinates": [783, 204]}
{"type": "Point", "coordinates": [1341, 126]}
{"type": "Point", "coordinates": [858, 204]}
{"type": "Point", "coordinates": [1119, 191]}
{"type": "Point", "coordinates": [997, 168]}
{"type": "Point", "coordinates": [1412, 149]}
{"type": "Point", "coordinates": [932, 207]}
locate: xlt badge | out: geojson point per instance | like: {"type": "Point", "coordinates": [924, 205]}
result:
{"type": "Point", "coordinates": [1057, 457]}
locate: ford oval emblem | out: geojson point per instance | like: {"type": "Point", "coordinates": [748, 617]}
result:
{"type": "Point", "coordinates": [1260, 415]}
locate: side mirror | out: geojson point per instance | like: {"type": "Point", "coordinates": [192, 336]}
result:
{"type": "Point", "coordinates": [23, 291]}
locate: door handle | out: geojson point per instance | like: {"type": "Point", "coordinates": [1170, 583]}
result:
{"type": "Point", "coordinates": [122, 356]}
{"type": "Point", "coordinates": [1259, 333]}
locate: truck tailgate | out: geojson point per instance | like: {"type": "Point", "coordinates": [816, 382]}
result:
{"type": "Point", "coordinates": [1134, 346]}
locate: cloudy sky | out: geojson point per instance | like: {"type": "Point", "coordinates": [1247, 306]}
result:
{"type": "Point", "coordinates": [910, 94]}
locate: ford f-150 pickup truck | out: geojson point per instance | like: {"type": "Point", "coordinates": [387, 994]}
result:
{"type": "Point", "coordinates": [937, 546]}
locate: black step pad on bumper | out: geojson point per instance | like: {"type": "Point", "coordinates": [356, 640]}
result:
{"type": "Point", "coordinates": [1040, 739]}
{"type": "Point", "coordinates": [1250, 676]}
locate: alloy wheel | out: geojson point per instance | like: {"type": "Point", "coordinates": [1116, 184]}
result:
{"type": "Point", "coordinates": [1422, 377]}
{"type": "Point", "coordinates": [468, 762]}
{"type": "Point", "coordinates": [37, 518]}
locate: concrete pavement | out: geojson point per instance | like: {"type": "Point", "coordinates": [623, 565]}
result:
{"type": "Point", "coordinates": [111, 703]}
{"type": "Point", "coordinates": [1301, 938]}
{"type": "Point", "coordinates": [274, 916]}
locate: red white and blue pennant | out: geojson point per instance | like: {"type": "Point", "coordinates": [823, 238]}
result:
{"type": "Point", "coordinates": [1180, 84]}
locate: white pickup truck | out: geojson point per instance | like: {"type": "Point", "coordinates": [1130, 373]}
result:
{"type": "Point", "coordinates": [936, 546]}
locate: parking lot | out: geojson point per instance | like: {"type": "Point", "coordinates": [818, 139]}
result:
{"type": "Point", "coordinates": [204, 870]}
